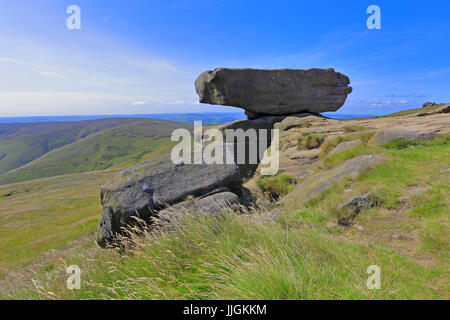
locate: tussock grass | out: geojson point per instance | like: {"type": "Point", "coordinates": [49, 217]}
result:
{"type": "Point", "coordinates": [330, 145]}
{"type": "Point", "coordinates": [223, 257]}
{"type": "Point", "coordinates": [334, 160]}
{"type": "Point", "coordinates": [42, 215]}
{"type": "Point", "coordinates": [433, 202]}
{"type": "Point", "coordinates": [310, 141]}
{"type": "Point", "coordinates": [435, 238]}
{"type": "Point", "coordinates": [277, 186]}
{"type": "Point", "coordinates": [356, 128]}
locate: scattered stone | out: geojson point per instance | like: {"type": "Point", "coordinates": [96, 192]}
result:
{"type": "Point", "coordinates": [387, 135]}
{"type": "Point", "coordinates": [403, 200]}
{"type": "Point", "coordinates": [356, 204]}
{"type": "Point", "coordinates": [274, 92]}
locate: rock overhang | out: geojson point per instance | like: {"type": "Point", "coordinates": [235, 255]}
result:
{"type": "Point", "coordinates": [269, 92]}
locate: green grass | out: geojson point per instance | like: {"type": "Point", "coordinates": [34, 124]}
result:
{"type": "Point", "coordinates": [435, 238]}
{"type": "Point", "coordinates": [338, 158]}
{"type": "Point", "coordinates": [355, 128]}
{"type": "Point", "coordinates": [331, 144]}
{"type": "Point", "coordinates": [434, 202]}
{"type": "Point", "coordinates": [277, 186]}
{"type": "Point", "coordinates": [414, 111]}
{"type": "Point", "coordinates": [224, 258]}
{"type": "Point", "coordinates": [41, 215]}
{"type": "Point", "coordinates": [303, 254]}
{"type": "Point", "coordinates": [310, 141]}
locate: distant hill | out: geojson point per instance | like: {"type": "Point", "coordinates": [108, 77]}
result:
{"type": "Point", "coordinates": [38, 150]}
{"type": "Point", "coordinates": [205, 117]}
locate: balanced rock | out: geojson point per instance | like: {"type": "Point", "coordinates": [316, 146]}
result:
{"type": "Point", "coordinates": [153, 185]}
{"type": "Point", "coordinates": [274, 92]}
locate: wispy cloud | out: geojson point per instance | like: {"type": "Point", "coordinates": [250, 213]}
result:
{"type": "Point", "coordinates": [139, 103]}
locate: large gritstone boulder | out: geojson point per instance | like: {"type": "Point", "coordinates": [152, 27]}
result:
{"type": "Point", "coordinates": [154, 185]}
{"type": "Point", "coordinates": [274, 92]}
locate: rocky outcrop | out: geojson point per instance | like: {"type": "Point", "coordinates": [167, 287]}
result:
{"type": "Point", "coordinates": [248, 167]}
{"type": "Point", "coordinates": [429, 104]}
{"type": "Point", "coordinates": [443, 108]}
{"type": "Point", "coordinates": [274, 92]}
{"type": "Point", "coordinates": [388, 135]}
{"type": "Point", "coordinates": [151, 186]}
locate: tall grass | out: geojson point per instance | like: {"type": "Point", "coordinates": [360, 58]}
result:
{"type": "Point", "coordinates": [227, 257]}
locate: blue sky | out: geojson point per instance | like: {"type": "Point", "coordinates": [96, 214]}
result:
{"type": "Point", "coordinates": [134, 57]}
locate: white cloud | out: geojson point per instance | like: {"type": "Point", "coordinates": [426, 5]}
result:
{"type": "Point", "coordinates": [139, 103]}
{"type": "Point", "coordinates": [39, 79]}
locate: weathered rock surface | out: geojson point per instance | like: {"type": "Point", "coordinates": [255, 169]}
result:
{"type": "Point", "coordinates": [387, 135]}
{"type": "Point", "coordinates": [153, 185]}
{"type": "Point", "coordinates": [258, 126]}
{"type": "Point", "coordinates": [210, 205]}
{"type": "Point", "coordinates": [274, 92]}
{"type": "Point", "coordinates": [293, 121]}
{"type": "Point", "coordinates": [316, 184]}
{"type": "Point", "coordinates": [344, 146]}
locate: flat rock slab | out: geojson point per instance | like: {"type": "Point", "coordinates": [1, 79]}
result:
{"type": "Point", "coordinates": [154, 185]}
{"type": "Point", "coordinates": [344, 146]}
{"type": "Point", "coordinates": [274, 92]}
{"type": "Point", "coordinates": [386, 136]}
{"type": "Point", "coordinates": [316, 184]}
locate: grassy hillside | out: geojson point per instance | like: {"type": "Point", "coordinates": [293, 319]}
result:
{"type": "Point", "coordinates": [21, 143]}
{"type": "Point", "coordinates": [414, 111]}
{"type": "Point", "coordinates": [304, 254]}
{"type": "Point", "coordinates": [46, 214]}
{"type": "Point", "coordinates": [44, 150]}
